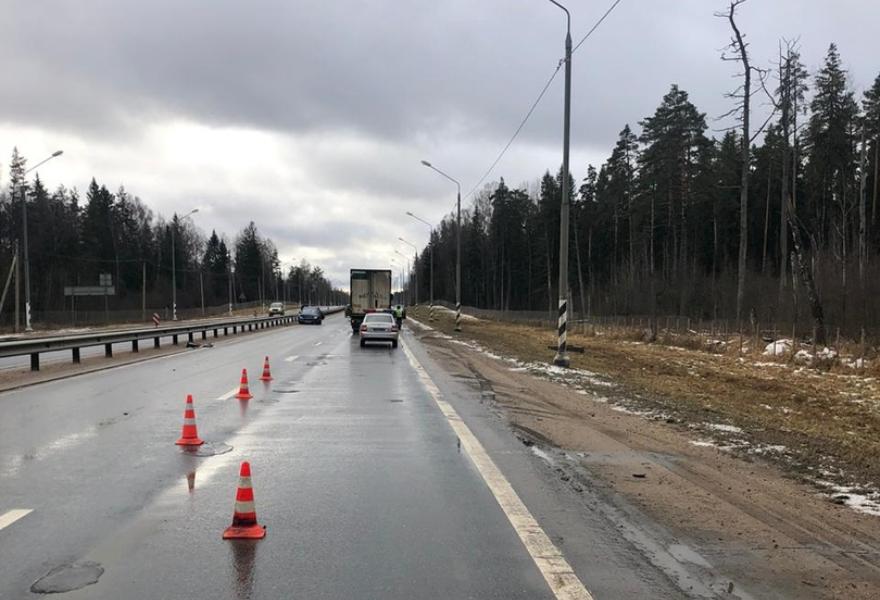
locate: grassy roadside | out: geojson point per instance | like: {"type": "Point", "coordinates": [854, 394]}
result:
{"type": "Point", "coordinates": [823, 425]}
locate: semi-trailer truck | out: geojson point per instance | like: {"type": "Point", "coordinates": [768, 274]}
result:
{"type": "Point", "coordinates": [370, 292]}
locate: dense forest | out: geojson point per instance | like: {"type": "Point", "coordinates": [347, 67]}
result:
{"type": "Point", "coordinates": [658, 228]}
{"type": "Point", "coordinates": [72, 240]}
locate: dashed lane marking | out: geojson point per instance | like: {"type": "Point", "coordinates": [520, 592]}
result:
{"type": "Point", "coordinates": [228, 394]}
{"type": "Point", "coordinates": [291, 358]}
{"type": "Point", "coordinates": [13, 515]}
{"type": "Point", "coordinates": [318, 343]}
{"type": "Point", "coordinates": [557, 572]}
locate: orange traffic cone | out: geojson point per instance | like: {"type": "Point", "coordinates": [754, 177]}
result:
{"type": "Point", "coordinates": [244, 519]}
{"type": "Point", "coordinates": [243, 392]}
{"type": "Point", "coordinates": [189, 436]}
{"type": "Point", "coordinates": [267, 375]}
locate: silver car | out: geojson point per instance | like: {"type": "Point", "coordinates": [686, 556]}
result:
{"type": "Point", "coordinates": [276, 308]}
{"type": "Point", "coordinates": [379, 327]}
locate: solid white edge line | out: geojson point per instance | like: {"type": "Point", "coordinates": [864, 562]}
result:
{"type": "Point", "coordinates": [557, 572]}
{"type": "Point", "coordinates": [13, 515]}
{"type": "Point", "coordinates": [228, 394]}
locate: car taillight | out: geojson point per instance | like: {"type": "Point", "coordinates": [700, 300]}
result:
{"type": "Point", "coordinates": [363, 327]}
{"type": "Point", "coordinates": [394, 328]}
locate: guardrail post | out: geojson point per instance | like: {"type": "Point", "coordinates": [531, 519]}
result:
{"type": "Point", "coordinates": [205, 334]}
{"type": "Point", "coordinates": [134, 345]}
{"type": "Point", "coordinates": [189, 336]}
{"type": "Point", "coordinates": [174, 339]}
{"type": "Point", "coordinates": [226, 331]}
{"type": "Point", "coordinates": [215, 333]}
{"type": "Point", "coordinates": [35, 361]}
{"type": "Point", "coordinates": [155, 342]}
{"type": "Point", "coordinates": [108, 350]}
{"type": "Point", "coordinates": [76, 356]}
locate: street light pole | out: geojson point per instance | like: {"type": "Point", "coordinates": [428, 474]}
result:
{"type": "Point", "coordinates": [431, 246]}
{"type": "Point", "coordinates": [457, 244]}
{"type": "Point", "coordinates": [174, 263]}
{"type": "Point", "coordinates": [415, 265]}
{"type": "Point", "coordinates": [402, 281]}
{"type": "Point", "coordinates": [561, 359]}
{"type": "Point", "coordinates": [27, 261]}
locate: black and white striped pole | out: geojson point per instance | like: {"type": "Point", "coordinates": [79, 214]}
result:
{"type": "Point", "coordinates": [561, 358]}
{"type": "Point", "coordinates": [457, 243]}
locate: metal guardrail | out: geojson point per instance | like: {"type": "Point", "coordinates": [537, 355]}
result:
{"type": "Point", "coordinates": [35, 346]}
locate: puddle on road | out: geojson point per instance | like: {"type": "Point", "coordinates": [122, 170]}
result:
{"type": "Point", "coordinates": [208, 449]}
{"type": "Point", "coordinates": [67, 578]}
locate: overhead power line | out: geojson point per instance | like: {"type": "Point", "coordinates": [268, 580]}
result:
{"type": "Point", "coordinates": [538, 100]}
{"type": "Point", "coordinates": [596, 26]}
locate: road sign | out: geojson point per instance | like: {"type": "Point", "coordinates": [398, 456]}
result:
{"type": "Point", "coordinates": [156, 319]}
{"type": "Point", "coordinates": [89, 290]}
{"type": "Point", "coordinates": [105, 279]}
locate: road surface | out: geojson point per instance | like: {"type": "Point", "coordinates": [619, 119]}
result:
{"type": "Point", "coordinates": [372, 471]}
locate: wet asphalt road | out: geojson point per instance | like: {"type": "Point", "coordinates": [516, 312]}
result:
{"type": "Point", "coordinates": [358, 476]}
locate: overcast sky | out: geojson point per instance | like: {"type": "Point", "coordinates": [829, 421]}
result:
{"type": "Point", "coordinates": [311, 118]}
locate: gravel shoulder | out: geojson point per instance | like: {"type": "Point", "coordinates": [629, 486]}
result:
{"type": "Point", "coordinates": [685, 469]}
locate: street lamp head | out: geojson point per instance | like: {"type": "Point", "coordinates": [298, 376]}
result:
{"type": "Point", "coordinates": [57, 153]}
{"type": "Point", "coordinates": [426, 163]}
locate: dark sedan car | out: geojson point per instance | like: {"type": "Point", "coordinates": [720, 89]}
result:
{"type": "Point", "coordinates": [310, 315]}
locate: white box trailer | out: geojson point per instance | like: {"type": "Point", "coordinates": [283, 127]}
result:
{"type": "Point", "coordinates": [370, 292]}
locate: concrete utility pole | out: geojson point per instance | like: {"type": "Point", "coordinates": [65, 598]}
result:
{"type": "Point", "coordinates": [27, 261]}
{"type": "Point", "coordinates": [561, 358]}
{"type": "Point", "coordinates": [457, 244]}
{"type": "Point", "coordinates": [431, 246]}
{"type": "Point", "coordinates": [174, 263]}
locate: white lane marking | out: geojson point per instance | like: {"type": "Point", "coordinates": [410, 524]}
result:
{"type": "Point", "coordinates": [291, 358]}
{"type": "Point", "coordinates": [228, 394]}
{"type": "Point", "coordinates": [557, 572]}
{"type": "Point", "coordinates": [318, 343]}
{"type": "Point", "coordinates": [13, 515]}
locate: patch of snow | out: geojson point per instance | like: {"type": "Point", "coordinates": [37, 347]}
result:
{"type": "Point", "coordinates": [857, 498]}
{"type": "Point", "coordinates": [778, 348]}
{"type": "Point", "coordinates": [827, 353]}
{"type": "Point", "coordinates": [767, 406]}
{"type": "Point", "coordinates": [769, 449]}
{"type": "Point", "coordinates": [724, 428]}
{"type": "Point", "coordinates": [773, 365]}
{"type": "Point", "coordinates": [543, 455]}
{"type": "Point", "coordinates": [858, 363]}
{"type": "Point", "coordinates": [465, 317]}
{"type": "Point", "coordinates": [703, 443]}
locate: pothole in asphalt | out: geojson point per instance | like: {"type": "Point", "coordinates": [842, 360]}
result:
{"type": "Point", "coordinates": [286, 391]}
{"type": "Point", "coordinates": [209, 449]}
{"type": "Point", "coordinates": [66, 578]}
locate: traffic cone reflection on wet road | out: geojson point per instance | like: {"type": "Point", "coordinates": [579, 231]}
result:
{"type": "Point", "coordinates": [189, 436]}
{"type": "Point", "coordinates": [267, 375]}
{"type": "Point", "coordinates": [244, 518]}
{"type": "Point", "coordinates": [243, 392]}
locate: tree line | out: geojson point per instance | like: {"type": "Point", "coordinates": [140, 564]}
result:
{"type": "Point", "coordinates": [73, 240]}
{"type": "Point", "coordinates": [672, 223]}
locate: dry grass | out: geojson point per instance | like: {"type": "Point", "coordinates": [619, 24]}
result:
{"type": "Point", "coordinates": [828, 418]}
